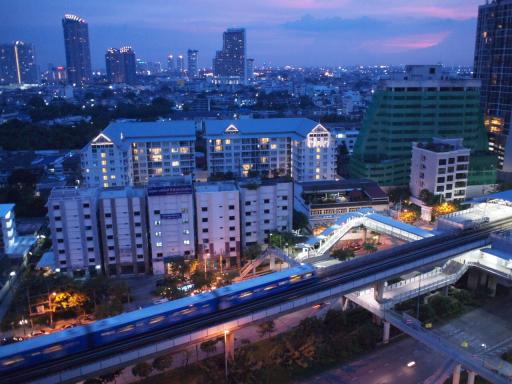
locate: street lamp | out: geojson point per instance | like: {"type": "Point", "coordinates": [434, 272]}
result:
{"type": "Point", "coordinates": [12, 274]}
{"type": "Point", "coordinates": [50, 304]}
{"type": "Point", "coordinates": [23, 322]}
{"type": "Point", "coordinates": [226, 332]}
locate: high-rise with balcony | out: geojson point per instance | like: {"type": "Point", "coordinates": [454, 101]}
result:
{"type": "Point", "coordinates": [76, 43]}
{"type": "Point", "coordinates": [296, 147]}
{"type": "Point", "coordinates": [130, 153]}
{"type": "Point", "coordinates": [416, 107]}
{"type": "Point", "coordinates": [493, 66]}
{"type": "Point", "coordinates": [230, 61]}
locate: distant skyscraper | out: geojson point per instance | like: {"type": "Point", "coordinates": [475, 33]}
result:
{"type": "Point", "coordinates": [129, 65]}
{"type": "Point", "coordinates": [121, 65]}
{"type": "Point", "coordinates": [493, 66]}
{"type": "Point", "coordinates": [114, 66]}
{"type": "Point", "coordinates": [180, 64]}
{"type": "Point", "coordinates": [170, 63]}
{"type": "Point", "coordinates": [17, 63]}
{"type": "Point", "coordinates": [230, 61]}
{"type": "Point", "coordinates": [78, 56]}
{"type": "Point", "coordinates": [250, 69]}
{"type": "Point", "coordinates": [192, 62]}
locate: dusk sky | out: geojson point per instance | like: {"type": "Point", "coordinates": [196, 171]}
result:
{"type": "Point", "coordinates": [279, 32]}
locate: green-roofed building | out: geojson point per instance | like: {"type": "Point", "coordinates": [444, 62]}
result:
{"type": "Point", "coordinates": [418, 106]}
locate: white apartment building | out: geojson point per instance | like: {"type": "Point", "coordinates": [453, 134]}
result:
{"type": "Point", "coordinates": [218, 223]}
{"type": "Point", "coordinates": [266, 206]}
{"type": "Point", "coordinates": [74, 229]}
{"type": "Point", "coordinates": [130, 153]}
{"type": "Point", "coordinates": [440, 167]}
{"type": "Point", "coordinates": [7, 228]}
{"type": "Point", "coordinates": [123, 228]}
{"type": "Point", "coordinates": [297, 147]}
{"type": "Point", "coordinates": [171, 220]}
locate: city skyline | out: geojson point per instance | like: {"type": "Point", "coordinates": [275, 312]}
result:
{"type": "Point", "coordinates": [333, 32]}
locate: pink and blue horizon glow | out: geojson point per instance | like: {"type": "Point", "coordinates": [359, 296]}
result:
{"type": "Point", "coordinates": [295, 32]}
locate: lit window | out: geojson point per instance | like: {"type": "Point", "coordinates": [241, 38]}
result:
{"type": "Point", "coordinates": [218, 148]}
{"type": "Point", "coordinates": [218, 142]}
{"type": "Point", "coordinates": [184, 150]}
{"type": "Point", "coordinates": [105, 177]}
{"type": "Point", "coordinates": [103, 155]}
{"type": "Point", "coordinates": [318, 157]}
{"type": "Point", "coordinates": [105, 185]}
{"type": "Point", "coordinates": [186, 242]}
{"type": "Point", "coordinates": [175, 163]}
{"type": "Point", "coordinates": [104, 170]}
{"type": "Point", "coordinates": [158, 243]}
{"type": "Point", "coordinates": [113, 177]}
{"type": "Point", "coordinates": [157, 222]}
{"type": "Point", "coordinates": [158, 234]}
{"type": "Point", "coordinates": [273, 146]}
{"type": "Point", "coordinates": [103, 162]}
{"type": "Point", "coordinates": [264, 140]}
{"type": "Point", "coordinates": [318, 170]}
{"type": "Point", "coordinates": [227, 141]}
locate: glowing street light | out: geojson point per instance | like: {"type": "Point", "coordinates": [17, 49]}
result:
{"type": "Point", "coordinates": [226, 332]}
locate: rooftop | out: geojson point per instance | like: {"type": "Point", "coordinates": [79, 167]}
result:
{"type": "Point", "coordinates": [371, 188]}
{"type": "Point", "coordinates": [274, 126]}
{"type": "Point", "coordinates": [5, 209]}
{"type": "Point", "coordinates": [59, 193]}
{"type": "Point", "coordinates": [126, 131]}
{"type": "Point", "coordinates": [120, 192]}
{"type": "Point", "coordinates": [221, 186]}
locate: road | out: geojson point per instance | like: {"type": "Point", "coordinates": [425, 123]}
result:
{"type": "Point", "coordinates": [388, 365]}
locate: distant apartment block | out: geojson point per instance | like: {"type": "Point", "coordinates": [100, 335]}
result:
{"type": "Point", "coordinates": [265, 206]}
{"type": "Point", "coordinates": [440, 167]}
{"type": "Point", "coordinates": [18, 63]}
{"type": "Point", "coordinates": [218, 223]}
{"type": "Point", "coordinates": [171, 220]}
{"type": "Point", "coordinates": [421, 104]}
{"type": "Point", "coordinates": [73, 216]}
{"type": "Point", "coordinates": [130, 153]}
{"type": "Point", "coordinates": [123, 223]}
{"type": "Point", "coordinates": [296, 147]}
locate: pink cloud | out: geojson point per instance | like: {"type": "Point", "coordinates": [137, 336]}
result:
{"type": "Point", "coordinates": [407, 43]}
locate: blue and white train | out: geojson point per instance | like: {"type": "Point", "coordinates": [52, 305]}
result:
{"type": "Point", "coordinates": [61, 344]}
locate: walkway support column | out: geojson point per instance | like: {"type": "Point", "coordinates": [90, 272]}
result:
{"type": "Point", "coordinates": [491, 285]}
{"type": "Point", "coordinates": [272, 262]}
{"type": "Point", "coordinates": [379, 291]}
{"type": "Point", "coordinates": [471, 377]}
{"type": "Point", "coordinates": [473, 279]}
{"type": "Point", "coordinates": [385, 336]}
{"type": "Point", "coordinates": [456, 374]}
{"type": "Point", "coordinates": [345, 302]}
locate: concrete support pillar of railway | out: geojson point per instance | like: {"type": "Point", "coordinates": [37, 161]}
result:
{"type": "Point", "coordinates": [378, 291]}
{"type": "Point", "coordinates": [456, 374]}
{"type": "Point", "coordinates": [471, 377]}
{"type": "Point", "coordinates": [491, 285]}
{"type": "Point", "coordinates": [473, 279]}
{"type": "Point", "coordinates": [345, 303]}
{"type": "Point", "coordinates": [483, 279]}
{"type": "Point", "coordinates": [229, 347]}
{"type": "Point", "coordinates": [446, 290]}
{"type": "Point", "coordinates": [385, 335]}
{"type": "Point", "coordinates": [272, 262]}
{"type": "Point", "coordinates": [365, 234]}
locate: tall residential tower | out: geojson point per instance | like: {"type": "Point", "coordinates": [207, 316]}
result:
{"type": "Point", "coordinates": [230, 61]}
{"type": "Point", "coordinates": [493, 66]}
{"type": "Point", "coordinates": [78, 55]}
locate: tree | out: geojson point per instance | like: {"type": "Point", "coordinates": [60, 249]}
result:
{"type": "Point", "coordinates": [252, 252]}
{"type": "Point", "coordinates": [370, 247]}
{"type": "Point", "coordinates": [300, 220]}
{"type": "Point", "coordinates": [162, 363]}
{"type": "Point", "coordinates": [142, 369]}
{"type": "Point", "coordinates": [266, 328]}
{"type": "Point", "coordinates": [69, 300]}
{"type": "Point", "coordinates": [343, 254]}
{"type": "Point", "coordinates": [399, 194]}
{"type": "Point", "coordinates": [93, 380]}
{"type": "Point", "coordinates": [201, 280]}
{"type": "Point", "coordinates": [209, 346]}
{"type": "Point", "coordinates": [111, 376]}
{"type": "Point", "coordinates": [169, 289]}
